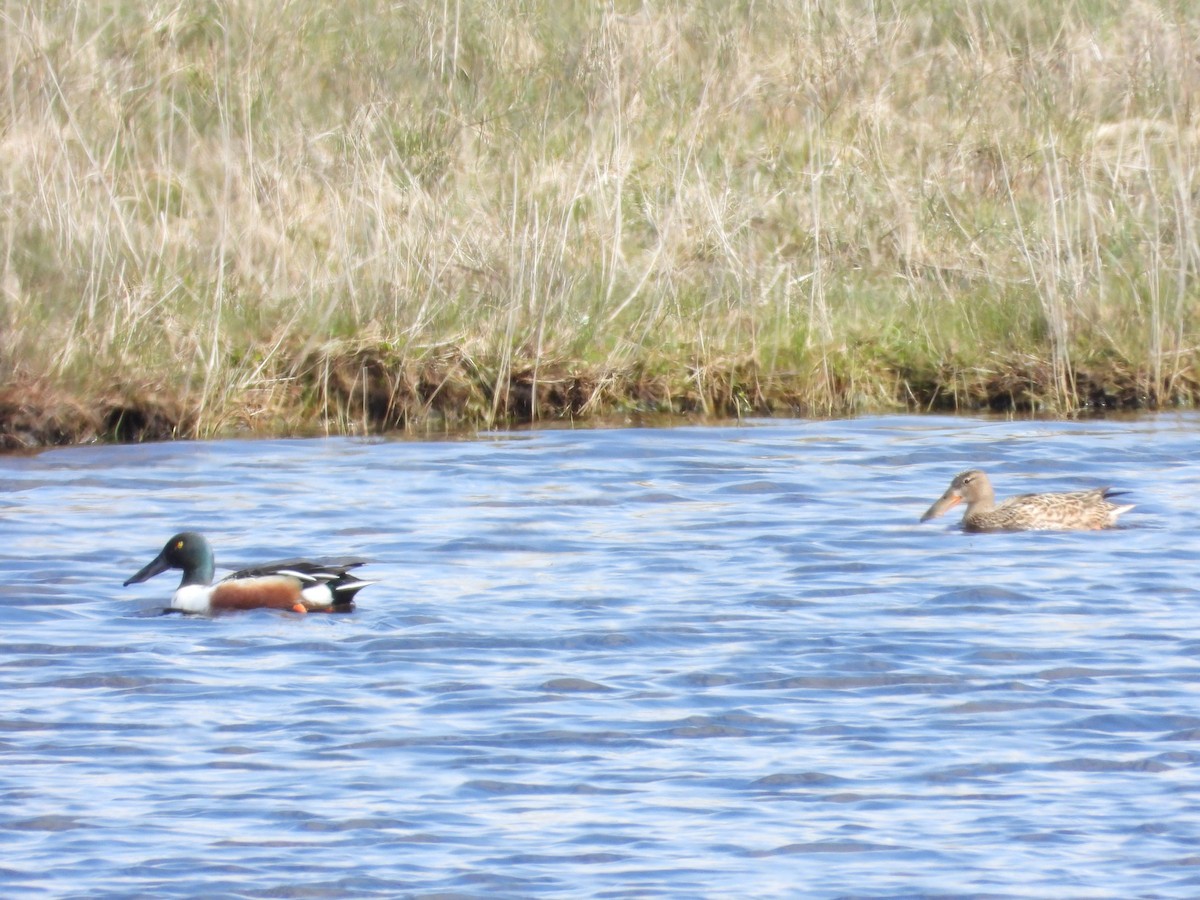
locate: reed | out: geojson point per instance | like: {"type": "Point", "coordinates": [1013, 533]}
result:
{"type": "Point", "coordinates": [226, 215]}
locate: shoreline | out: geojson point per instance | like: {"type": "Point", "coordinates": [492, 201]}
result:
{"type": "Point", "coordinates": [585, 211]}
{"type": "Point", "coordinates": [366, 392]}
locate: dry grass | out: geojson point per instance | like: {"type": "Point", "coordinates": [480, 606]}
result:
{"type": "Point", "coordinates": [237, 205]}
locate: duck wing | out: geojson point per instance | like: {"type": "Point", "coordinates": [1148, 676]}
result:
{"type": "Point", "coordinates": [325, 568]}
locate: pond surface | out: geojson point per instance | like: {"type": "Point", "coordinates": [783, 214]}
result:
{"type": "Point", "coordinates": [691, 662]}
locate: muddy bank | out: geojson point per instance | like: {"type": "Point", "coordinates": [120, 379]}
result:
{"type": "Point", "coordinates": [366, 392]}
{"type": "Point", "coordinates": [36, 415]}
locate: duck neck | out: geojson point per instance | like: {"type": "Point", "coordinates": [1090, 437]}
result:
{"type": "Point", "coordinates": [984, 501]}
{"type": "Point", "coordinates": [201, 573]}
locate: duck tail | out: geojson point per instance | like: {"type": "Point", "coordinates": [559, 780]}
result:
{"type": "Point", "coordinates": [344, 589]}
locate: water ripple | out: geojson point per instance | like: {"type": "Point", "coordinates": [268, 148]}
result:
{"type": "Point", "coordinates": [692, 662]}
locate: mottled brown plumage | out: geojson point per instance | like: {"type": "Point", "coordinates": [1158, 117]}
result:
{"type": "Point", "coordinates": [1072, 511]}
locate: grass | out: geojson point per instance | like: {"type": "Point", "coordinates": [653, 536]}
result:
{"type": "Point", "coordinates": [227, 216]}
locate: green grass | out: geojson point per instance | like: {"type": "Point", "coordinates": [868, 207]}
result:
{"type": "Point", "coordinates": [213, 208]}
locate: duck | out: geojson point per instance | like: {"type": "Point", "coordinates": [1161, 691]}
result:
{"type": "Point", "coordinates": [299, 585]}
{"type": "Point", "coordinates": [1071, 511]}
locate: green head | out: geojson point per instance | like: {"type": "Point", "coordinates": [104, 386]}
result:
{"type": "Point", "coordinates": [188, 551]}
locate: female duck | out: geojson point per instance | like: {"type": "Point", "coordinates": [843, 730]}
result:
{"type": "Point", "coordinates": [1076, 510]}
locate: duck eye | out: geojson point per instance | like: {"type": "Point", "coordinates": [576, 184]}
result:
{"type": "Point", "coordinates": [179, 545]}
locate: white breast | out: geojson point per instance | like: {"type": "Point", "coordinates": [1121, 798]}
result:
{"type": "Point", "coordinates": [193, 598]}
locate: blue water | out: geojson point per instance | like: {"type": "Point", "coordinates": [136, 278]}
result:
{"type": "Point", "coordinates": [691, 662]}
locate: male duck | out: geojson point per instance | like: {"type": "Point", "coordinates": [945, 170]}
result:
{"type": "Point", "coordinates": [300, 585]}
{"type": "Point", "coordinates": [1076, 510]}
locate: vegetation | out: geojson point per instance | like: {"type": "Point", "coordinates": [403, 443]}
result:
{"type": "Point", "coordinates": [281, 217]}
